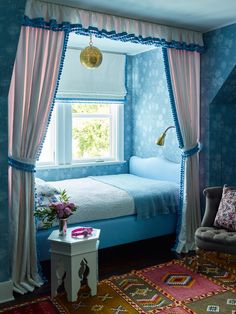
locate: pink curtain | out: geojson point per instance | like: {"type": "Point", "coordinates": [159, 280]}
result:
{"type": "Point", "coordinates": [31, 95]}
{"type": "Point", "coordinates": [185, 78]}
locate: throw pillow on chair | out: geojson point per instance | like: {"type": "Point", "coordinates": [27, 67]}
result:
{"type": "Point", "coordinates": [226, 214]}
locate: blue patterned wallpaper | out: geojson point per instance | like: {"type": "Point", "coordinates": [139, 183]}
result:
{"type": "Point", "coordinates": [217, 161]}
{"type": "Point", "coordinates": [151, 107]}
{"type": "Point", "coordinates": [227, 93]}
{"type": "Point", "coordinates": [11, 14]}
{"type": "Point", "coordinates": [80, 172]}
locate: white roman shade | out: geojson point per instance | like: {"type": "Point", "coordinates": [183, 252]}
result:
{"type": "Point", "coordinates": [105, 82]}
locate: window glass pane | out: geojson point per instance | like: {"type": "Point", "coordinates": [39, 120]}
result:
{"type": "Point", "coordinates": [82, 132]}
{"type": "Point", "coordinates": [91, 108]}
{"type": "Point", "coordinates": [48, 152]}
{"type": "Point", "coordinates": [90, 137]}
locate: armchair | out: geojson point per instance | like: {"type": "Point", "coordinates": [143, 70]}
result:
{"type": "Point", "coordinates": [210, 238]}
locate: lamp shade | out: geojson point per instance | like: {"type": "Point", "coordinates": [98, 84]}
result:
{"type": "Point", "coordinates": [91, 57]}
{"type": "Point", "coordinates": [161, 140]}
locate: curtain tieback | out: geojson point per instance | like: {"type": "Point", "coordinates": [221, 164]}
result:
{"type": "Point", "coordinates": [191, 151]}
{"type": "Point", "coordinates": [21, 165]}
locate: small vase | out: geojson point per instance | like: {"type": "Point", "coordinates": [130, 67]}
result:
{"type": "Point", "coordinates": [62, 227]}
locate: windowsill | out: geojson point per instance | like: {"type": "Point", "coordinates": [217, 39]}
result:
{"type": "Point", "coordinates": [82, 164]}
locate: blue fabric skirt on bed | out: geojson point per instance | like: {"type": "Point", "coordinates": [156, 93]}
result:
{"type": "Point", "coordinates": [151, 197]}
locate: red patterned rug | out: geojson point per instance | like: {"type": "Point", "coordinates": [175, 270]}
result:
{"type": "Point", "coordinates": [43, 305]}
{"type": "Point", "coordinates": [170, 288]}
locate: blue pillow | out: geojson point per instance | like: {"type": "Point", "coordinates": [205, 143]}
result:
{"type": "Point", "coordinates": [155, 168]}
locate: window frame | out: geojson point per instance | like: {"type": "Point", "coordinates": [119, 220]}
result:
{"type": "Point", "coordinates": [63, 134]}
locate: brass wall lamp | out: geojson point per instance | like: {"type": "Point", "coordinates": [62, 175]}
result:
{"type": "Point", "coordinates": [91, 57]}
{"type": "Point", "coordinates": [161, 140]}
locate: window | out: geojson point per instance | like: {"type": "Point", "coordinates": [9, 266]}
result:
{"type": "Point", "coordinates": [92, 131]}
{"type": "Point", "coordinates": [83, 132]}
{"type": "Point", "coordinates": [47, 155]}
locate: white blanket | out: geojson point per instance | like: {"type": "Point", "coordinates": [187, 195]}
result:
{"type": "Point", "coordinates": [95, 200]}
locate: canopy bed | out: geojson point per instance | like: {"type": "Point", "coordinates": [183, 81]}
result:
{"type": "Point", "coordinates": [38, 66]}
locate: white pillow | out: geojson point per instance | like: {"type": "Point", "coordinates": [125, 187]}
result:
{"type": "Point", "coordinates": [156, 168]}
{"type": "Point", "coordinates": [45, 189]}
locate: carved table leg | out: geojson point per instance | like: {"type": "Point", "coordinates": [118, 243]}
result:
{"type": "Point", "coordinates": [72, 281]}
{"type": "Point", "coordinates": [92, 275]}
{"type": "Point", "coordinates": [57, 272]}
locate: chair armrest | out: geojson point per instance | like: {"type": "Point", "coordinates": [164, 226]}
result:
{"type": "Point", "coordinates": [213, 196]}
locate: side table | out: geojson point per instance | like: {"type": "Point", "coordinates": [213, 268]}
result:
{"type": "Point", "coordinates": [70, 256]}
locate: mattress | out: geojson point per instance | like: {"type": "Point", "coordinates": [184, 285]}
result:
{"type": "Point", "coordinates": [94, 200]}
{"type": "Point", "coordinates": [113, 196]}
{"type": "Point", "coordinates": [151, 197]}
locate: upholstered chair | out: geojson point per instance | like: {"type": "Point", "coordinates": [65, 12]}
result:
{"type": "Point", "coordinates": [210, 238]}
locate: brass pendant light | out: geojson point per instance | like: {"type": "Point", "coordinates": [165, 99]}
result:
{"type": "Point", "coordinates": [91, 57]}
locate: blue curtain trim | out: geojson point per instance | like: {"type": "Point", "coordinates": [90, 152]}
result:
{"type": "Point", "coordinates": [185, 154]}
{"type": "Point", "coordinates": [181, 199]}
{"type": "Point", "coordinates": [126, 77]}
{"type": "Point", "coordinates": [192, 151]}
{"type": "Point", "coordinates": [51, 25]}
{"type": "Point", "coordinates": [181, 143]}
{"type": "Point", "coordinates": [66, 38]}
{"type": "Point", "coordinates": [40, 271]}
{"type": "Point", "coordinates": [78, 29]}
{"type": "Point", "coordinates": [21, 165]}
{"type": "Point", "coordinates": [172, 99]}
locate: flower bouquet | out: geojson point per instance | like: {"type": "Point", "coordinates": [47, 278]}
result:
{"type": "Point", "coordinates": [56, 210]}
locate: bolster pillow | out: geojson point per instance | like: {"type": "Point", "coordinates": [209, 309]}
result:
{"type": "Point", "coordinates": [157, 168]}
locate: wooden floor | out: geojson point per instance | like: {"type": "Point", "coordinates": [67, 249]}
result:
{"type": "Point", "coordinates": [115, 261]}
{"type": "Point", "coordinates": [124, 258]}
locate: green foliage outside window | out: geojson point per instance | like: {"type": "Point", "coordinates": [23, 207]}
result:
{"type": "Point", "coordinates": [91, 136]}
{"type": "Point", "coordinates": [91, 139]}
{"type": "Point", "coordinates": [91, 108]}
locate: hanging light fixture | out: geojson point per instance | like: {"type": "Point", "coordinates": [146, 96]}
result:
{"type": "Point", "coordinates": [91, 57]}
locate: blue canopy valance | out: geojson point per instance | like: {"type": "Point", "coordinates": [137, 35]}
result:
{"type": "Point", "coordinates": [62, 17]}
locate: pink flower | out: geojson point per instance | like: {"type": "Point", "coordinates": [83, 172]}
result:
{"type": "Point", "coordinates": [56, 210]}
{"type": "Point", "coordinates": [67, 211]}
{"type": "Point", "coordinates": [60, 213]}
{"type": "Point", "coordinates": [71, 205]}
{"type": "Point", "coordinates": [58, 205]}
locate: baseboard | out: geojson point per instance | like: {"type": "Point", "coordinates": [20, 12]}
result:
{"type": "Point", "coordinates": [6, 291]}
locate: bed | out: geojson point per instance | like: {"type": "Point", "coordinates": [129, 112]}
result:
{"type": "Point", "coordinates": [126, 207]}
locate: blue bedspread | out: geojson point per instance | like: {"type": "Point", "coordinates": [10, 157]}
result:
{"type": "Point", "coordinates": [151, 197]}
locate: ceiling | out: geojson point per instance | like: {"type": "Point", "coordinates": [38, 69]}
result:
{"type": "Point", "coordinates": [199, 15]}
{"type": "Point", "coordinates": [107, 45]}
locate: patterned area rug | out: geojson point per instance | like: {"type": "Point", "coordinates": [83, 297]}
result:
{"type": "Point", "coordinates": [170, 288]}
{"type": "Point", "coordinates": [43, 305]}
